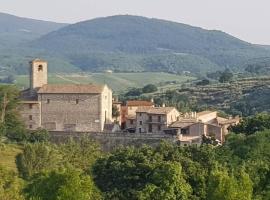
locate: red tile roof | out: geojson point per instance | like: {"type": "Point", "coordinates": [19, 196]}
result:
{"type": "Point", "coordinates": [139, 103]}
{"type": "Point", "coordinates": [71, 89]}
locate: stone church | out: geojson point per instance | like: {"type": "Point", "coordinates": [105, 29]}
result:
{"type": "Point", "coordinates": [73, 107]}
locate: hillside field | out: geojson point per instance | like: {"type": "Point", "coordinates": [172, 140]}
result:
{"type": "Point", "coordinates": [117, 81]}
{"type": "Point", "coordinates": [8, 153]}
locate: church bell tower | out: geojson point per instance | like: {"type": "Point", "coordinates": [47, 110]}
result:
{"type": "Point", "coordinates": [38, 74]}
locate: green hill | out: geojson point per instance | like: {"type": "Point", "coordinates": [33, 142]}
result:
{"type": "Point", "coordinates": [16, 30]}
{"type": "Point", "coordinates": [124, 42]}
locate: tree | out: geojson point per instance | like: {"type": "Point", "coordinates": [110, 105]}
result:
{"type": "Point", "coordinates": [36, 158]}
{"type": "Point", "coordinates": [10, 186]}
{"type": "Point", "coordinates": [140, 173]}
{"type": "Point", "coordinates": [10, 122]}
{"type": "Point", "coordinates": [226, 76]}
{"type": "Point", "coordinates": [115, 111]}
{"type": "Point", "coordinates": [223, 186]}
{"type": "Point", "coordinates": [80, 154]}
{"type": "Point", "coordinates": [166, 182]}
{"type": "Point", "coordinates": [203, 82]}
{"type": "Point", "coordinates": [149, 88]}
{"type": "Point", "coordinates": [62, 185]}
{"type": "Point", "coordinates": [134, 92]}
{"type": "Point", "coordinates": [40, 135]}
{"type": "Point", "coordinates": [251, 125]}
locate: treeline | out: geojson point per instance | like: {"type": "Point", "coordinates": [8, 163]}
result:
{"type": "Point", "coordinates": [79, 170]}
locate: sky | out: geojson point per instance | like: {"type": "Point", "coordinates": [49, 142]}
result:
{"type": "Point", "coordinates": [245, 19]}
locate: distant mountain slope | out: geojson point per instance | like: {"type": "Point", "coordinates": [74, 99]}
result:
{"type": "Point", "coordinates": [140, 36]}
{"type": "Point", "coordinates": [14, 30]}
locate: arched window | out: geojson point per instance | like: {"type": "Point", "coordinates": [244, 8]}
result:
{"type": "Point", "coordinates": [40, 68]}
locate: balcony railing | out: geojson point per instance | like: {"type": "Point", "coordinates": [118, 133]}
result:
{"type": "Point", "coordinates": [156, 122]}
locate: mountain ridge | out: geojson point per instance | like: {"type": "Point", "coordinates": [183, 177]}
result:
{"type": "Point", "coordinates": [135, 43]}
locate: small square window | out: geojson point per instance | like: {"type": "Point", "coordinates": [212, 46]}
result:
{"type": "Point", "coordinates": [30, 117]}
{"type": "Point", "coordinates": [77, 101]}
{"type": "Point", "coordinates": [30, 126]}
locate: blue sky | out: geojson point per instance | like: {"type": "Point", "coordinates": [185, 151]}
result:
{"type": "Point", "coordinates": [246, 19]}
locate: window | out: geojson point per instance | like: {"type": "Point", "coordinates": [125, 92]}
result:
{"type": "Point", "coordinates": [140, 130]}
{"type": "Point", "coordinates": [30, 126]}
{"type": "Point", "coordinates": [159, 128]}
{"type": "Point", "coordinates": [30, 106]}
{"type": "Point", "coordinates": [30, 117]}
{"type": "Point", "coordinates": [140, 122]}
{"type": "Point", "coordinates": [140, 114]}
{"type": "Point", "coordinates": [150, 118]}
{"type": "Point", "coordinates": [159, 118]}
{"type": "Point", "coordinates": [184, 131]}
{"type": "Point", "coordinates": [48, 101]}
{"type": "Point", "coordinates": [77, 101]}
{"type": "Point", "coordinates": [40, 68]}
{"type": "Point", "coordinates": [150, 128]}
{"type": "Point", "coordinates": [131, 121]}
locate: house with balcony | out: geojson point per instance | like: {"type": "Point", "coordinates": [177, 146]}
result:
{"type": "Point", "coordinates": [128, 113]}
{"type": "Point", "coordinates": [155, 119]}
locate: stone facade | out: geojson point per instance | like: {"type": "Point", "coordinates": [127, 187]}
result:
{"type": "Point", "coordinates": [155, 119]}
{"type": "Point", "coordinates": [38, 73]}
{"type": "Point", "coordinates": [83, 108]}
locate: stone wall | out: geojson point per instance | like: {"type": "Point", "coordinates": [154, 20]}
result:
{"type": "Point", "coordinates": [71, 112]}
{"type": "Point", "coordinates": [110, 141]}
{"type": "Point", "coordinates": [30, 114]}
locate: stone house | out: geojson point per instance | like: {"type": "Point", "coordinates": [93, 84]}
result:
{"type": "Point", "coordinates": [155, 119]}
{"type": "Point", "coordinates": [191, 127]}
{"type": "Point", "coordinates": [128, 112]}
{"type": "Point", "coordinates": [74, 107]}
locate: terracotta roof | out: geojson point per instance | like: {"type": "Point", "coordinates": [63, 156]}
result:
{"type": "Point", "coordinates": [230, 121]}
{"type": "Point", "coordinates": [183, 124]}
{"type": "Point", "coordinates": [155, 110]}
{"type": "Point", "coordinates": [139, 103]}
{"type": "Point", "coordinates": [71, 89]}
{"type": "Point", "coordinates": [205, 113]}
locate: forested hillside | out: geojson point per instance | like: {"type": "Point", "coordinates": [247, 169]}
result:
{"type": "Point", "coordinates": [109, 40]}
{"type": "Point", "coordinates": [122, 43]}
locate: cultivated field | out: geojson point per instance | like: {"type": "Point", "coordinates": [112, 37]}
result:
{"type": "Point", "coordinates": [117, 81]}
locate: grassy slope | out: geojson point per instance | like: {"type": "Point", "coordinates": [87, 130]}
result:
{"type": "Point", "coordinates": [117, 81]}
{"type": "Point", "coordinates": [8, 155]}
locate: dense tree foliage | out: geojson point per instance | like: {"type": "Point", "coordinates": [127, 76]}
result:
{"type": "Point", "coordinates": [10, 123]}
{"type": "Point", "coordinates": [251, 125]}
{"type": "Point", "coordinates": [62, 185]}
{"type": "Point", "coordinates": [149, 88]}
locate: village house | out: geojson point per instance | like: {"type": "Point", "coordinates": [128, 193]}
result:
{"type": "Point", "coordinates": [128, 113]}
{"type": "Point", "coordinates": [191, 127]}
{"type": "Point", "coordinates": [155, 119]}
{"type": "Point", "coordinates": [72, 107]}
